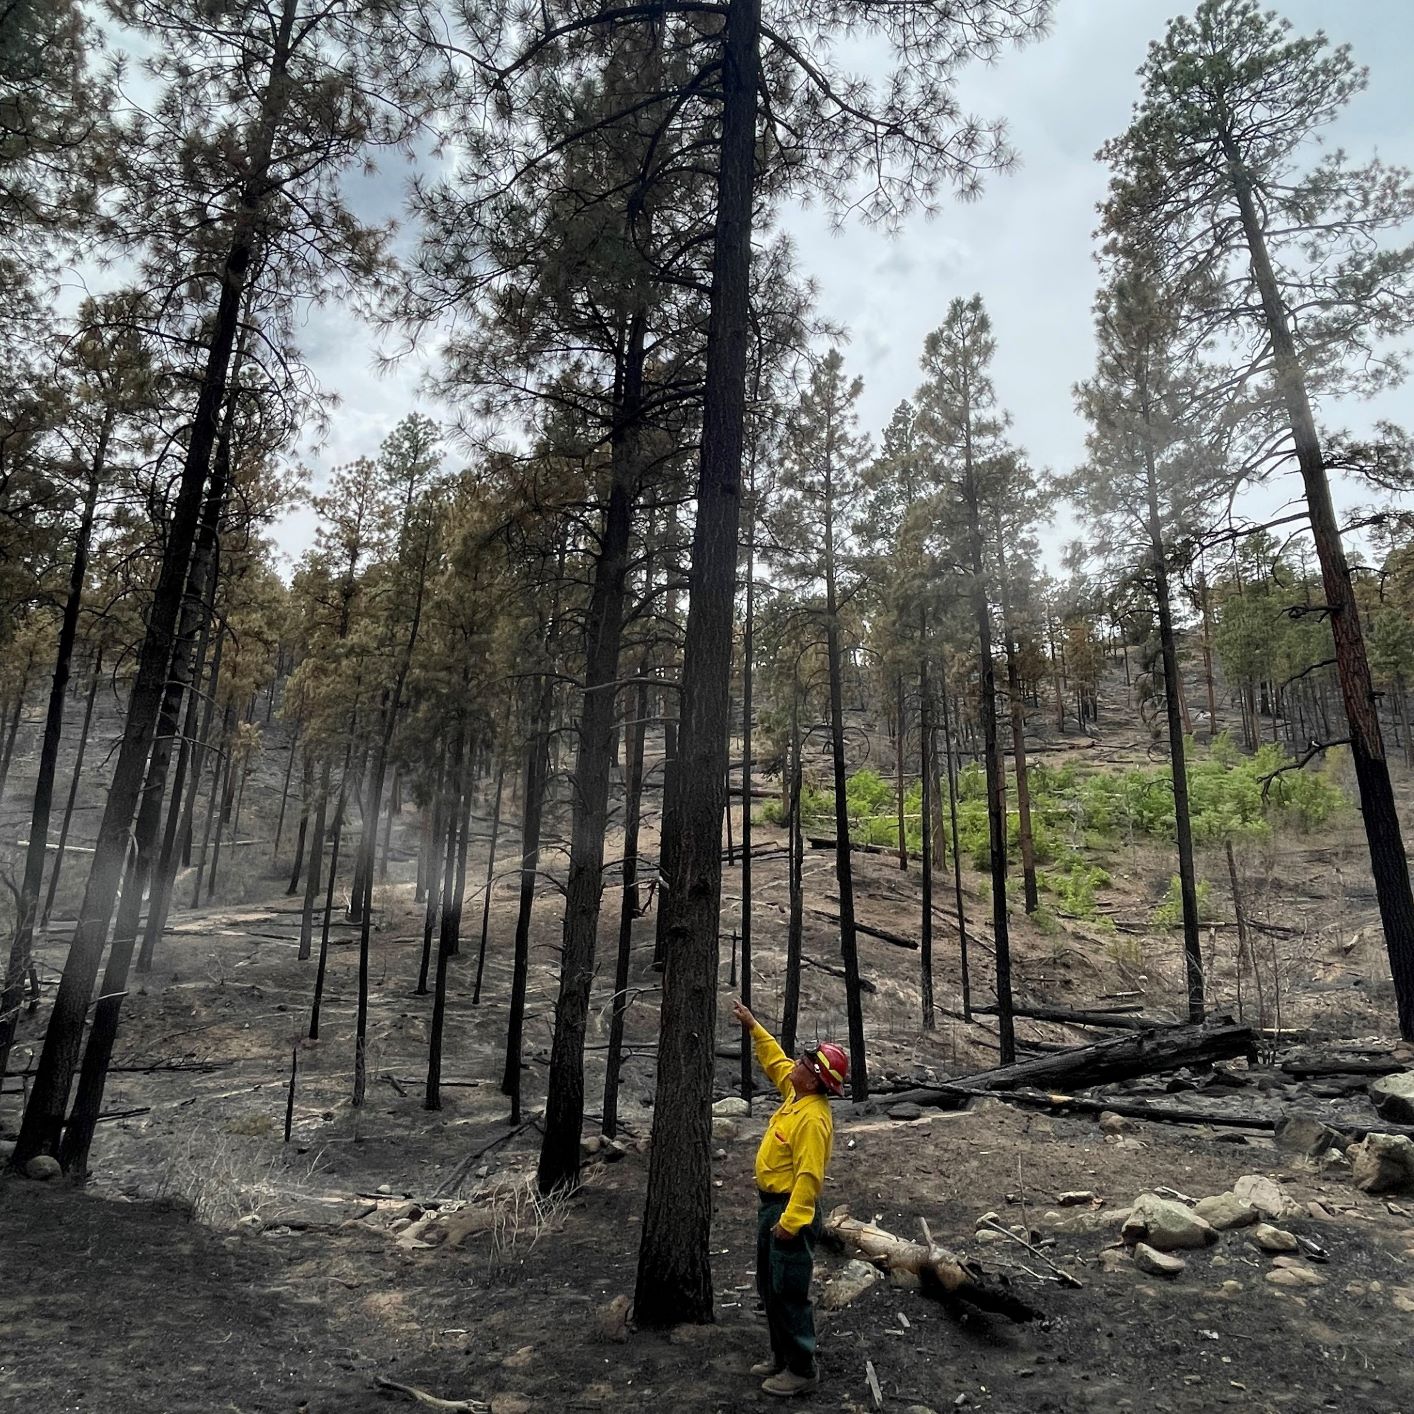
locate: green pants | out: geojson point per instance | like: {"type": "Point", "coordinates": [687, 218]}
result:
{"type": "Point", "coordinates": [783, 1271]}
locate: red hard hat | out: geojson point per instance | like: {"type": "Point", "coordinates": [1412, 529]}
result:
{"type": "Point", "coordinates": [831, 1065]}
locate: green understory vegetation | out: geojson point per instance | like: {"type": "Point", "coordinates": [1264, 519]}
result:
{"type": "Point", "coordinates": [1079, 811]}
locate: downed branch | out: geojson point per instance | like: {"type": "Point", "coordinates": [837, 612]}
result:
{"type": "Point", "coordinates": [941, 1274]}
{"type": "Point", "coordinates": [865, 985]}
{"type": "Point", "coordinates": [470, 1406]}
{"type": "Point", "coordinates": [1119, 1018]}
{"type": "Point", "coordinates": [1118, 1058]}
{"type": "Point", "coordinates": [870, 931]}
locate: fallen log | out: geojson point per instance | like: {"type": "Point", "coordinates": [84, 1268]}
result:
{"type": "Point", "coordinates": [941, 1274]}
{"type": "Point", "coordinates": [1120, 1018]}
{"type": "Point", "coordinates": [1119, 1058]}
{"type": "Point", "coordinates": [1178, 1114]}
{"type": "Point", "coordinates": [865, 985]}
{"type": "Point", "coordinates": [1318, 1069]}
{"type": "Point", "coordinates": [821, 842]}
{"type": "Point", "coordinates": [870, 931]}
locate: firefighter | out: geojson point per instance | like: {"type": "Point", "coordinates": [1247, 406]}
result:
{"type": "Point", "coordinates": [790, 1171]}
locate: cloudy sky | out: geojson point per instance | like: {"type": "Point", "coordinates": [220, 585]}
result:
{"type": "Point", "coordinates": [1026, 246]}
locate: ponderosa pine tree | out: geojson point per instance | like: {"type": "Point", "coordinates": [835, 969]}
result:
{"type": "Point", "coordinates": [818, 498]}
{"type": "Point", "coordinates": [245, 104]}
{"type": "Point", "coordinates": [1220, 178]}
{"type": "Point", "coordinates": [1145, 489]}
{"type": "Point", "coordinates": [961, 428]}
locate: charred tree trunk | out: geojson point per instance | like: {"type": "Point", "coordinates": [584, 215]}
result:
{"type": "Point", "coordinates": [966, 978]}
{"type": "Point", "coordinates": [27, 902]}
{"type": "Point", "coordinates": [537, 758]}
{"type": "Point", "coordinates": [458, 818]}
{"type": "Point", "coordinates": [1388, 862]}
{"type": "Point", "coordinates": [674, 1280]}
{"type": "Point", "coordinates": [490, 881]}
{"type": "Point", "coordinates": [564, 1101]}
{"type": "Point", "coordinates": [790, 998]}
{"type": "Point", "coordinates": [73, 790]}
{"type": "Point", "coordinates": [1187, 885]}
{"type": "Point", "coordinates": [996, 786]}
{"type": "Point", "coordinates": [628, 908]}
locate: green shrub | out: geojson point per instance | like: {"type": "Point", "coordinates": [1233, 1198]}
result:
{"type": "Point", "coordinates": [1168, 913]}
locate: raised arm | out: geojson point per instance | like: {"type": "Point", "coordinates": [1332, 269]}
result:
{"type": "Point", "coordinates": [769, 1056]}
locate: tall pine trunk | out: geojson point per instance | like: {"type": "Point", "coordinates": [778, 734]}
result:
{"type": "Point", "coordinates": [1388, 863]}
{"type": "Point", "coordinates": [27, 902]}
{"type": "Point", "coordinates": [564, 1100]}
{"type": "Point", "coordinates": [73, 790]}
{"type": "Point", "coordinates": [674, 1281]}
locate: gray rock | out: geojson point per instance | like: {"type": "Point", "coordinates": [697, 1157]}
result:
{"type": "Point", "coordinates": [43, 1167]}
{"type": "Point", "coordinates": [1111, 1123]}
{"type": "Point", "coordinates": [906, 1111]}
{"type": "Point", "coordinates": [1076, 1197]}
{"type": "Point", "coordinates": [1305, 1134]}
{"type": "Point", "coordinates": [732, 1107]}
{"type": "Point", "coordinates": [1158, 1264]}
{"type": "Point", "coordinates": [1225, 1211]}
{"type": "Point", "coordinates": [1265, 1194]}
{"type": "Point", "coordinates": [1166, 1225]}
{"type": "Point", "coordinates": [1273, 1239]}
{"type": "Point", "coordinates": [854, 1280]}
{"type": "Point", "coordinates": [1393, 1097]}
{"type": "Point", "coordinates": [723, 1128]}
{"type": "Point", "coordinates": [1383, 1163]}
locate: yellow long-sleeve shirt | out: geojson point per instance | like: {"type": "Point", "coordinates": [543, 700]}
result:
{"type": "Point", "coordinates": [795, 1149]}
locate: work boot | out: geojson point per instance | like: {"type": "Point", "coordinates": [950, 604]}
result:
{"type": "Point", "coordinates": [767, 1367]}
{"type": "Point", "coordinates": [787, 1383]}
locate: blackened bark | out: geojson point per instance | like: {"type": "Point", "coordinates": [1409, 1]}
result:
{"type": "Point", "coordinates": [435, 850]}
{"type": "Point", "coordinates": [790, 997]}
{"type": "Point", "coordinates": [306, 782]}
{"type": "Point", "coordinates": [1018, 736]}
{"type": "Point", "coordinates": [537, 757]}
{"type": "Point", "coordinates": [316, 858]}
{"type": "Point", "coordinates": [73, 790]}
{"type": "Point", "coordinates": [327, 921]}
{"type": "Point", "coordinates": [27, 903]}
{"type": "Point", "coordinates": [451, 915]}
{"type": "Point", "coordinates": [925, 768]}
{"type": "Point", "coordinates": [674, 1265]}
{"type": "Point", "coordinates": [747, 647]}
{"type": "Point", "coordinates": [991, 758]}
{"type": "Point", "coordinates": [1388, 862]}
{"type": "Point", "coordinates": [490, 880]}
{"type": "Point", "coordinates": [284, 791]}
{"type": "Point", "coordinates": [1183, 833]}
{"type": "Point", "coordinates": [628, 908]}
{"type": "Point", "coordinates": [966, 978]}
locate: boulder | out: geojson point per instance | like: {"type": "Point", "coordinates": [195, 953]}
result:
{"type": "Point", "coordinates": [1166, 1225]}
{"type": "Point", "coordinates": [732, 1107]}
{"type": "Point", "coordinates": [1265, 1194]}
{"type": "Point", "coordinates": [1393, 1097]}
{"type": "Point", "coordinates": [1111, 1123]}
{"type": "Point", "coordinates": [1307, 1135]}
{"type": "Point", "coordinates": [906, 1111]}
{"type": "Point", "coordinates": [43, 1167]}
{"type": "Point", "coordinates": [854, 1280]}
{"type": "Point", "coordinates": [1273, 1239]}
{"type": "Point", "coordinates": [1225, 1211]}
{"type": "Point", "coordinates": [723, 1128]}
{"type": "Point", "coordinates": [1383, 1163]}
{"type": "Point", "coordinates": [1295, 1276]}
{"type": "Point", "coordinates": [1159, 1264]}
